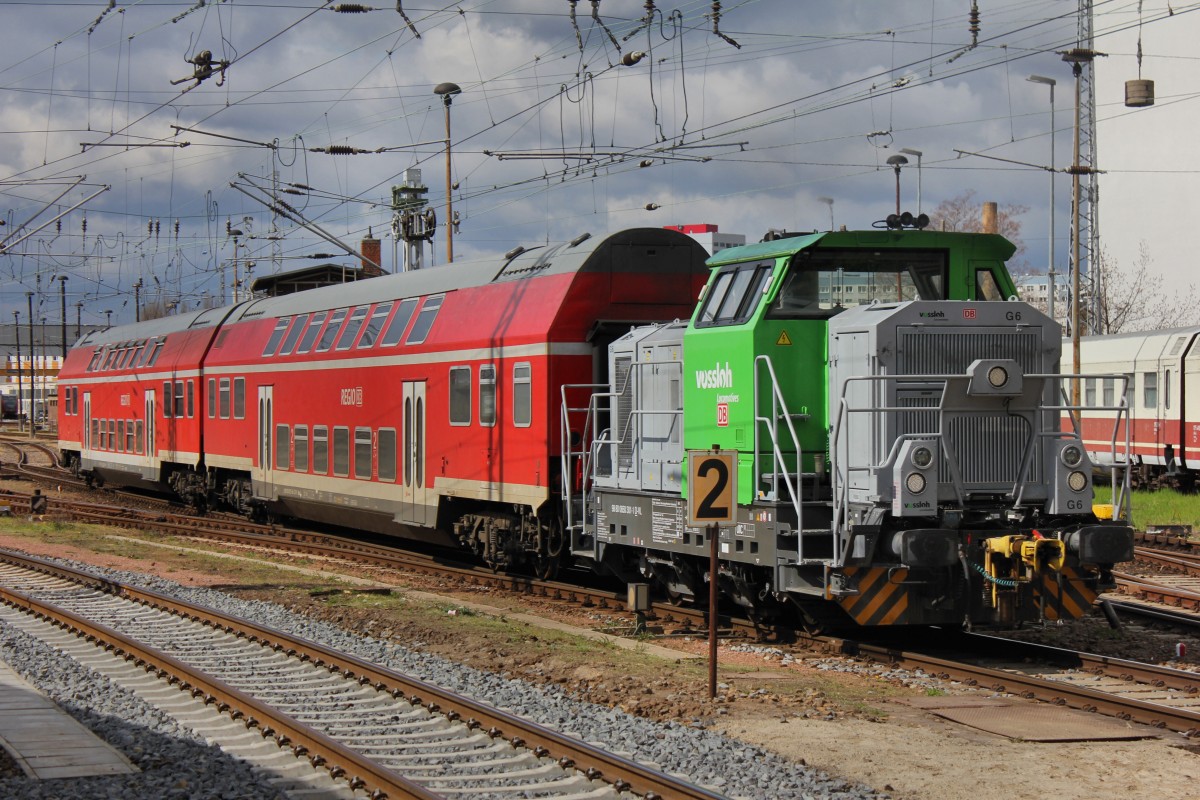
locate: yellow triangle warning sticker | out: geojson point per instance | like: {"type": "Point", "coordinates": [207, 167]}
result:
{"type": "Point", "coordinates": [783, 338]}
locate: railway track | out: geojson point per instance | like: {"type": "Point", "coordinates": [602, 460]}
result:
{"type": "Point", "coordinates": [382, 732]}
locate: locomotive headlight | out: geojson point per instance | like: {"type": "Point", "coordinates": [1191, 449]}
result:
{"type": "Point", "coordinates": [1072, 455]}
{"type": "Point", "coordinates": [997, 376]}
{"type": "Point", "coordinates": [915, 482]}
{"type": "Point", "coordinates": [921, 457]}
{"type": "Point", "coordinates": [1077, 481]}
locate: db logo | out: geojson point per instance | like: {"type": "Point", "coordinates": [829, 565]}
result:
{"type": "Point", "coordinates": [722, 415]}
{"type": "Point", "coordinates": [968, 313]}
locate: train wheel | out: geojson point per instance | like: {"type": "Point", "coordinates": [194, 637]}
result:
{"type": "Point", "coordinates": [549, 557]}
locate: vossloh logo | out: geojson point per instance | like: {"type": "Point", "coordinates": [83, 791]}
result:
{"type": "Point", "coordinates": [716, 378]}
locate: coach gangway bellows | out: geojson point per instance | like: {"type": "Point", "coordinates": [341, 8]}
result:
{"type": "Point", "coordinates": [898, 424]}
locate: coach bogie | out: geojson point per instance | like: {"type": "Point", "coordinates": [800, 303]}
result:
{"type": "Point", "coordinates": [513, 540]}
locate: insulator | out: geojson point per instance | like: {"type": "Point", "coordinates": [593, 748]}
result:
{"type": "Point", "coordinates": [149, 227]}
{"type": "Point", "coordinates": [352, 8]}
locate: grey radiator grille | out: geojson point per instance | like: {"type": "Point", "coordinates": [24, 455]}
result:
{"type": "Point", "coordinates": [989, 449]}
{"type": "Point", "coordinates": [622, 430]}
{"type": "Point", "coordinates": [951, 350]}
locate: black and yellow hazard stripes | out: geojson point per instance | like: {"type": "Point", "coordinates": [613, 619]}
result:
{"type": "Point", "coordinates": [1064, 595]}
{"type": "Point", "coordinates": [882, 597]}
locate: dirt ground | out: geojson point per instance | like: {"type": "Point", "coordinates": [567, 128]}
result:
{"type": "Point", "coordinates": [857, 721]}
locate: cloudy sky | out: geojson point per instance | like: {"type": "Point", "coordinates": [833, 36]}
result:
{"type": "Point", "coordinates": [746, 120]}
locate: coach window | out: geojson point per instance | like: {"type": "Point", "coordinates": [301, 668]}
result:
{"type": "Point", "coordinates": [341, 451]}
{"type": "Point", "coordinates": [1150, 389]}
{"type": "Point", "coordinates": [522, 396]}
{"type": "Point", "coordinates": [375, 325]}
{"type": "Point", "coordinates": [121, 436]}
{"type": "Point", "coordinates": [281, 327]}
{"type": "Point", "coordinates": [362, 453]}
{"type": "Point", "coordinates": [108, 359]}
{"type": "Point", "coordinates": [335, 322]}
{"type": "Point", "coordinates": [129, 437]}
{"type": "Point", "coordinates": [320, 449]}
{"type": "Point", "coordinates": [1166, 392]}
{"type": "Point", "coordinates": [310, 335]}
{"type": "Point", "coordinates": [96, 356]}
{"type": "Point", "coordinates": [239, 398]}
{"type": "Point", "coordinates": [487, 395]}
{"type": "Point", "coordinates": [155, 352]}
{"type": "Point", "coordinates": [1089, 391]}
{"type": "Point", "coordinates": [120, 364]}
{"type": "Point", "coordinates": [224, 398]}
{"type": "Point", "coordinates": [168, 407]}
{"type": "Point", "coordinates": [1108, 391]}
{"type": "Point", "coordinates": [179, 399]}
{"type": "Point", "coordinates": [350, 332]}
{"type": "Point", "coordinates": [1129, 390]}
{"type": "Point", "coordinates": [460, 395]}
{"type": "Point", "coordinates": [139, 429]}
{"type": "Point", "coordinates": [283, 447]}
{"type": "Point", "coordinates": [112, 434]}
{"type": "Point", "coordinates": [387, 454]}
{"type": "Point", "coordinates": [420, 329]}
{"type": "Point", "coordinates": [212, 398]}
{"type": "Point", "coordinates": [294, 335]}
{"type": "Point", "coordinates": [137, 355]}
{"type": "Point", "coordinates": [191, 399]}
{"type": "Point", "coordinates": [96, 430]}
{"type": "Point", "coordinates": [301, 447]}
{"type": "Point", "coordinates": [395, 328]}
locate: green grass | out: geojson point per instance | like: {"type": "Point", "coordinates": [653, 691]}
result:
{"type": "Point", "coordinates": [1162, 507]}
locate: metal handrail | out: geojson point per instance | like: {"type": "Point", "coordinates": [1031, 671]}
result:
{"type": "Point", "coordinates": [779, 408]}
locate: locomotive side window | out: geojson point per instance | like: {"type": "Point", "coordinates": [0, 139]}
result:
{"type": "Point", "coordinates": [341, 451]}
{"type": "Point", "coordinates": [986, 287]}
{"type": "Point", "coordinates": [362, 453]}
{"type": "Point", "coordinates": [375, 325]}
{"type": "Point", "coordinates": [239, 398]}
{"type": "Point", "coordinates": [487, 395]}
{"type": "Point", "coordinates": [320, 449]}
{"type": "Point", "coordinates": [395, 329]}
{"type": "Point", "coordinates": [460, 395]}
{"type": "Point", "coordinates": [735, 294]}
{"type": "Point", "coordinates": [387, 454]}
{"type": "Point", "coordinates": [420, 329]}
{"type": "Point", "coordinates": [281, 327]}
{"type": "Point", "coordinates": [294, 334]}
{"type": "Point", "coordinates": [212, 398]}
{"type": "Point", "coordinates": [310, 335]}
{"type": "Point", "coordinates": [1150, 389]}
{"type": "Point", "coordinates": [522, 395]}
{"type": "Point", "coordinates": [350, 332]}
{"type": "Point", "coordinates": [300, 443]}
{"type": "Point", "coordinates": [224, 398]}
{"type": "Point", "coordinates": [283, 447]}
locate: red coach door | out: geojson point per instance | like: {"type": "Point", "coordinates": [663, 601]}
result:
{"type": "Point", "coordinates": [266, 451]}
{"type": "Point", "coordinates": [415, 494]}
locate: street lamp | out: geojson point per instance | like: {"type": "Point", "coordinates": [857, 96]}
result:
{"type": "Point", "coordinates": [829, 202]}
{"type": "Point", "coordinates": [910, 152]}
{"type": "Point", "coordinates": [896, 162]}
{"type": "Point", "coordinates": [1050, 259]}
{"type": "Point", "coordinates": [17, 333]}
{"type": "Point", "coordinates": [108, 318]}
{"type": "Point", "coordinates": [62, 296]}
{"type": "Point", "coordinates": [447, 92]}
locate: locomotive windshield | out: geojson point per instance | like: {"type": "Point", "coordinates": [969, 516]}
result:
{"type": "Point", "coordinates": [821, 283]}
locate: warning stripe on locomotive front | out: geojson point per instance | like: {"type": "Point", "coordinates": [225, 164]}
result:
{"type": "Point", "coordinates": [1066, 594]}
{"type": "Point", "coordinates": [882, 598]}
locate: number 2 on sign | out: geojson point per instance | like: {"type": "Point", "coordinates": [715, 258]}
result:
{"type": "Point", "coordinates": [708, 508]}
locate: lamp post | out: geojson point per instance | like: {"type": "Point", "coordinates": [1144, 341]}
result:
{"type": "Point", "coordinates": [78, 319]}
{"type": "Point", "coordinates": [447, 92]}
{"type": "Point", "coordinates": [32, 404]}
{"type": "Point", "coordinates": [896, 162]}
{"type": "Point", "coordinates": [829, 202]}
{"type": "Point", "coordinates": [235, 233]}
{"type": "Point", "coordinates": [108, 318]}
{"type": "Point", "coordinates": [17, 333]}
{"type": "Point", "coordinates": [1050, 258]}
{"type": "Point", "coordinates": [137, 301]}
{"type": "Point", "coordinates": [908, 151]}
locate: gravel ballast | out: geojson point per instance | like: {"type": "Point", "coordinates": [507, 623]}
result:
{"type": "Point", "coordinates": [177, 764]}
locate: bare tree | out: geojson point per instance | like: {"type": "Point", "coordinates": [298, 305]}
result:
{"type": "Point", "coordinates": [964, 213]}
{"type": "Point", "coordinates": [1136, 300]}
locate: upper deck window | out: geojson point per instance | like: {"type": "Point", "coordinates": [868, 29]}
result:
{"type": "Point", "coordinates": [424, 322]}
{"type": "Point", "coordinates": [734, 294]}
{"type": "Point", "coordinates": [350, 333]}
{"type": "Point", "coordinates": [310, 336]}
{"type": "Point", "coordinates": [294, 335]}
{"type": "Point", "coordinates": [375, 325]}
{"type": "Point", "coordinates": [281, 327]}
{"type": "Point", "coordinates": [335, 322]}
{"type": "Point", "coordinates": [821, 283]}
{"type": "Point", "coordinates": [395, 329]}
{"type": "Point", "coordinates": [155, 352]}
